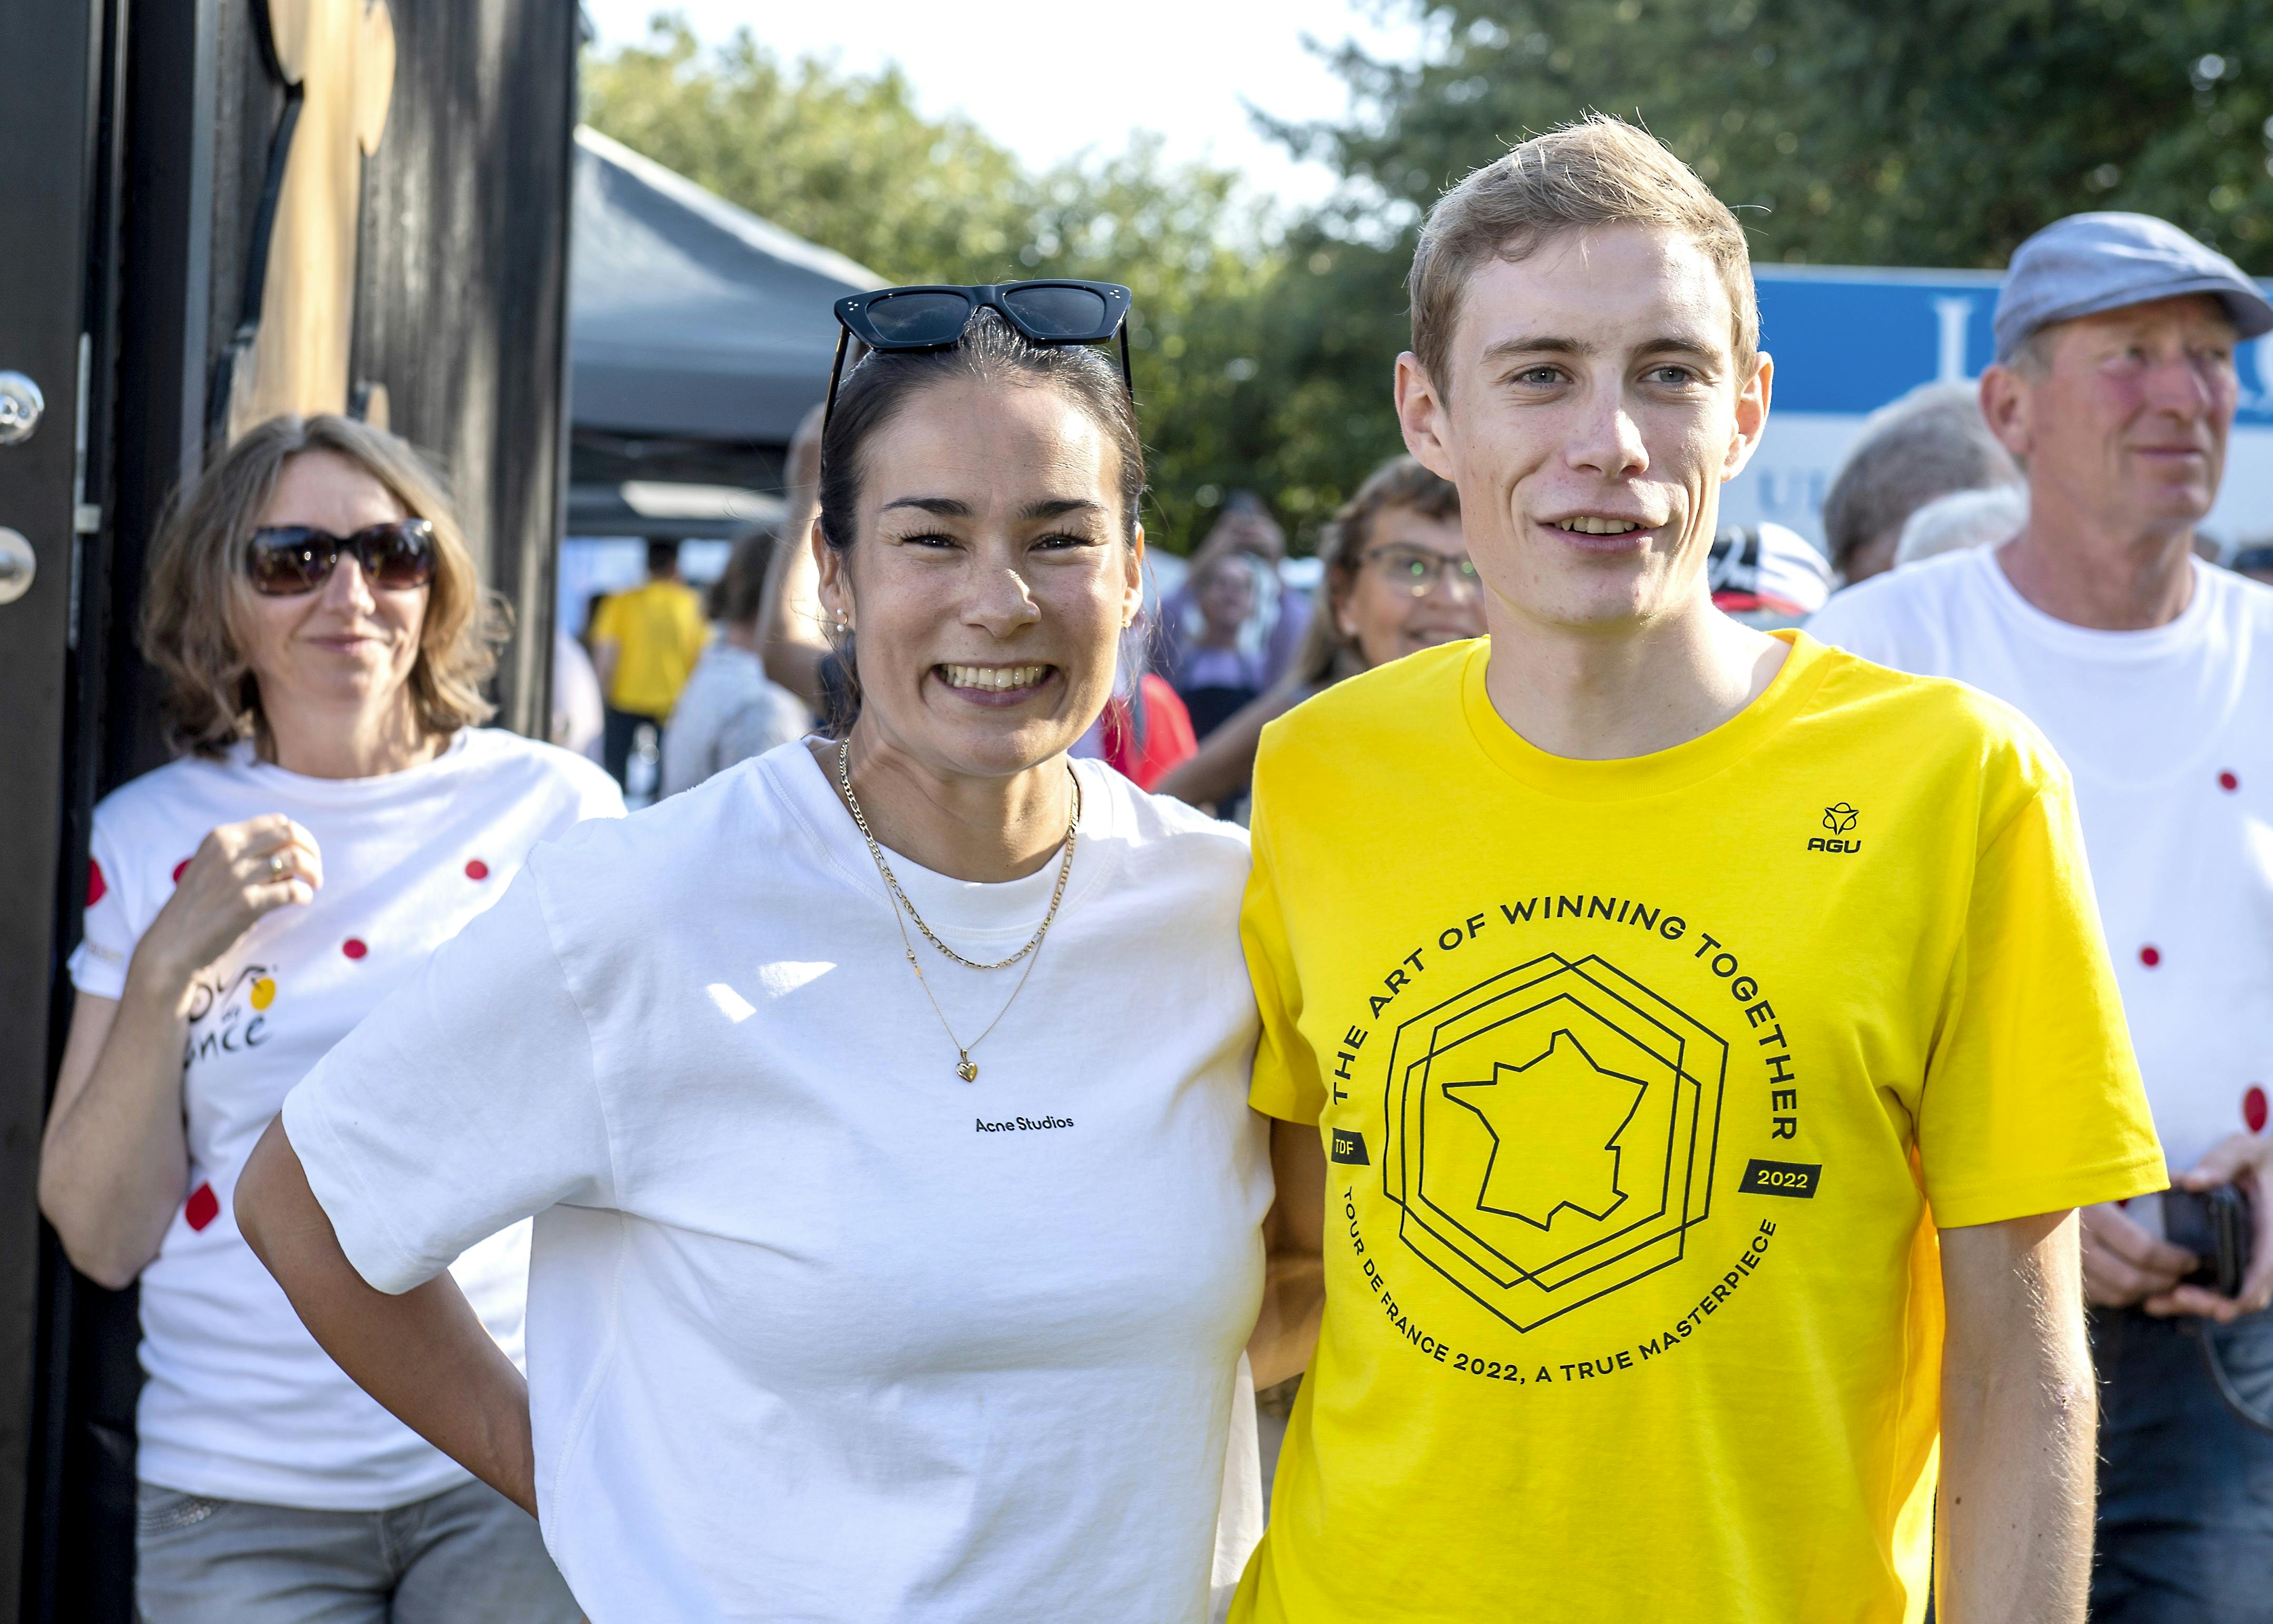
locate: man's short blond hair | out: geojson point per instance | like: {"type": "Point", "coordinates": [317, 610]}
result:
{"type": "Point", "coordinates": [1600, 171]}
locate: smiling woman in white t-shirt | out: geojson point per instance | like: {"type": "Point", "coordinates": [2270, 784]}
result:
{"type": "Point", "coordinates": [334, 816]}
{"type": "Point", "coordinates": [880, 1102]}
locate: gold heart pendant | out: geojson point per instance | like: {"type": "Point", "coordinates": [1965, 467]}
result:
{"type": "Point", "coordinates": [967, 1069]}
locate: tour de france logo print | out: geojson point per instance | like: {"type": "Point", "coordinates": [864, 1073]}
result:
{"type": "Point", "coordinates": [1551, 1133]}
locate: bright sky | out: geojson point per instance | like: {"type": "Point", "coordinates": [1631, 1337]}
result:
{"type": "Point", "coordinates": [1050, 79]}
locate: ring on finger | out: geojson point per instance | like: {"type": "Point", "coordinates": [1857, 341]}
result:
{"type": "Point", "coordinates": [276, 863]}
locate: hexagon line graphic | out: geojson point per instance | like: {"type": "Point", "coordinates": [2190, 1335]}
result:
{"type": "Point", "coordinates": [1426, 1062]}
{"type": "Point", "coordinates": [1507, 1023]}
{"type": "Point", "coordinates": [1452, 1219]}
{"type": "Point", "coordinates": [1672, 1060]}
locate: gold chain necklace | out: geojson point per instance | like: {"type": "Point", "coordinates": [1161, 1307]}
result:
{"type": "Point", "coordinates": [965, 1067]}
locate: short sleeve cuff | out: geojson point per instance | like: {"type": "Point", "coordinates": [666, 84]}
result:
{"type": "Point", "coordinates": [2141, 1174]}
{"type": "Point", "coordinates": [386, 1264]}
{"type": "Point", "coordinates": [1278, 1097]}
{"type": "Point", "coordinates": [98, 971]}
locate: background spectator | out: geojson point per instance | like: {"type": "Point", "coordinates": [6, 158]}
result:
{"type": "Point", "coordinates": [1221, 666]}
{"type": "Point", "coordinates": [644, 643]}
{"type": "Point", "coordinates": [1963, 519]}
{"type": "Point", "coordinates": [795, 645]}
{"type": "Point", "coordinates": [2114, 385]}
{"type": "Point", "coordinates": [1144, 733]}
{"type": "Point", "coordinates": [2255, 559]}
{"type": "Point", "coordinates": [1929, 443]}
{"type": "Point", "coordinates": [579, 713]}
{"type": "Point", "coordinates": [1282, 612]}
{"type": "Point", "coordinates": [336, 816]}
{"type": "Point", "coordinates": [591, 618]}
{"type": "Point", "coordinates": [728, 710]}
{"type": "Point", "coordinates": [1397, 580]}
{"type": "Point", "coordinates": [1766, 575]}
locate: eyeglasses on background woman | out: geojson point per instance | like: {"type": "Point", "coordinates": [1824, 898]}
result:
{"type": "Point", "coordinates": [1417, 570]}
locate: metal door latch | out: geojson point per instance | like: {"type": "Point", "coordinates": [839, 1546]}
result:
{"type": "Point", "coordinates": [18, 566]}
{"type": "Point", "coordinates": [21, 408]}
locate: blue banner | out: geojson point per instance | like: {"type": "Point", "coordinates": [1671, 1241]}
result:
{"type": "Point", "coordinates": [1849, 340]}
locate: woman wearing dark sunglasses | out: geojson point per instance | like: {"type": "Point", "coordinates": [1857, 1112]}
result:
{"type": "Point", "coordinates": [334, 815]}
{"type": "Point", "coordinates": [879, 1101]}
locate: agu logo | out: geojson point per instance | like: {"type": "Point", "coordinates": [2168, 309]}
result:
{"type": "Point", "coordinates": [1839, 819]}
{"type": "Point", "coordinates": [1550, 1135]}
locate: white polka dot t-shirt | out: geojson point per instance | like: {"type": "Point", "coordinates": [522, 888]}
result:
{"type": "Point", "coordinates": [2169, 733]}
{"type": "Point", "coordinates": [241, 1404]}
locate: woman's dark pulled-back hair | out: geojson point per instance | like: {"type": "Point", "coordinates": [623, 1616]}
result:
{"type": "Point", "coordinates": [991, 352]}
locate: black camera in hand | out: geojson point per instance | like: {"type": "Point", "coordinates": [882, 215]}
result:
{"type": "Point", "coordinates": [2219, 1226]}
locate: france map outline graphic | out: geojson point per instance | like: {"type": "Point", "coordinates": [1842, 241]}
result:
{"type": "Point", "coordinates": [1608, 1136]}
{"type": "Point", "coordinates": [1505, 1182]}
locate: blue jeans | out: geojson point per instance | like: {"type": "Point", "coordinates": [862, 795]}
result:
{"type": "Point", "coordinates": [2186, 1486]}
{"type": "Point", "coordinates": [465, 1556]}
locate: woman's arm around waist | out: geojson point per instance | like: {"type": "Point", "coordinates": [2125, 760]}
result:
{"type": "Point", "coordinates": [424, 1355]}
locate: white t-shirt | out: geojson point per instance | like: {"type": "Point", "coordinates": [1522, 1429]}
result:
{"type": "Point", "coordinates": [2169, 733]}
{"type": "Point", "coordinates": [241, 1402]}
{"type": "Point", "coordinates": [729, 711]}
{"type": "Point", "coordinates": [818, 1331]}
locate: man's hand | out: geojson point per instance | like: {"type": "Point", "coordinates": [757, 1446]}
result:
{"type": "Point", "coordinates": [2124, 1266]}
{"type": "Point", "coordinates": [2244, 1159]}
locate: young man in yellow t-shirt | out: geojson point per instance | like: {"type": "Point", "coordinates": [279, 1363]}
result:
{"type": "Point", "coordinates": [645, 642]}
{"type": "Point", "coordinates": [1690, 1044]}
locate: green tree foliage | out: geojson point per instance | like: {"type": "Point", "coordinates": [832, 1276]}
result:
{"type": "Point", "coordinates": [1939, 132]}
{"type": "Point", "coordinates": [848, 160]}
{"type": "Point", "coordinates": [842, 160]}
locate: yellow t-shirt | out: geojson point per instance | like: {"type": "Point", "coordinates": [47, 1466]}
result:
{"type": "Point", "coordinates": [658, 632]}
{"type": "Point", "coordinates": [1644, 1084]}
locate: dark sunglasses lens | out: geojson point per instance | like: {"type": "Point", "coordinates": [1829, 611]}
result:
{"type": "Point", "coordinates": [401, 556]}
{"type": "Point", "coordinates": [920, 317]}
{"type": "Point", "coordinates": [1058, 312]}
{"type": "Point", "coordinates": [283, 562]}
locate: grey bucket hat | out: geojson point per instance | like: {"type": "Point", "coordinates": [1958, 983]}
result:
{"type": "Point", "coordinates": [2089, 263]}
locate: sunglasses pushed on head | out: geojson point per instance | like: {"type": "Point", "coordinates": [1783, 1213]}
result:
{"type": "Point", "coordinates": [1056, 311]}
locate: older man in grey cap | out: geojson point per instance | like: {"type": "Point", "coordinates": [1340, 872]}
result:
{"type": "Point", "coordinates": [2152, 675]}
